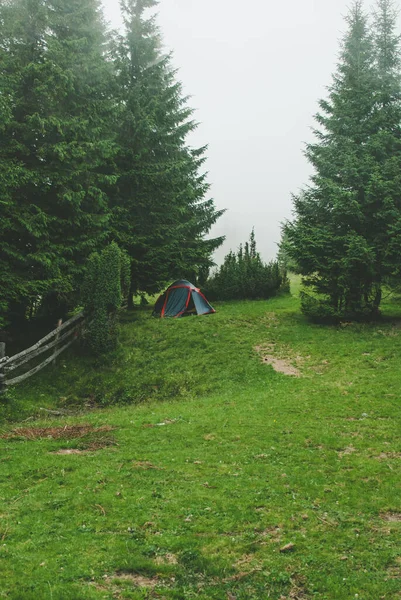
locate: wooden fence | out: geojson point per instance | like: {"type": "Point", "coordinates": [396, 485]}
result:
{"type": "Point", "coordinates": [17, 368]}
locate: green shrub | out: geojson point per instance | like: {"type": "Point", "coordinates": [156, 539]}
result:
{"type": "Point", "coordinates": [244, 276]}
{"type": "Point", "coordinates": [105, 286]}
{"type": "Point", "coordinates": [322, 309]}
{"type": "Point", "coordinates": [317, 309]}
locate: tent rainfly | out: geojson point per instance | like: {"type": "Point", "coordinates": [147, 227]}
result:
{"type": "Point", "coordinates": [182, 298]}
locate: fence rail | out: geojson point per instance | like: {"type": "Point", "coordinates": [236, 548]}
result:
{"type": "Point", "coordinates": [53, 341]}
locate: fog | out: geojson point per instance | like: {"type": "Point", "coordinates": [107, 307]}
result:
{"type": "Point", "coordinates": [255, 72]}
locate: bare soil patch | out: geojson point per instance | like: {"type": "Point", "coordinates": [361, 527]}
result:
{"type": "Point", "coordinates": [271, 320]}
{"type": "Point", "coordinates": [270, 532]}
{"type": "Point", "coordinates": [391, 517]}
{"type": "Point", "coordinates": [70, 451]}
{"type": "Point", "coordinates": [297, 591]}
{"type": "Point", "coordinates": [111, 583]}
{"type": "Point", "coordinates": [388, 455]}
{"type": "Point", "coordinates": [68, 432]}
{"type": "Point", "coordinates": [394, 572]}
{"type": "Point", "coordinates": [84, 438]}
{"type": "Point", "coordinates": [245, 561]}
{"type": "Point", "coordinates": [167, 559]}
{"type": "Point", "coordinates": [136, 579]}
{"type": "Point", "coordinates": [280, 365]}
{"type": "Point", "coordinates": [347, 451]}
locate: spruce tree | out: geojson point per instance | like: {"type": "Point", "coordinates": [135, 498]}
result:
{"type": "Point", "coordinates": [24, 269]}
{"type": "Point", "coordinates": [385, 147]}
{"type": "Point", "coordinates": [342, 233]}
{"type": "Point", "coordinates": [160, 216]}
{"type": "Point", "coordinates": [58, 142]}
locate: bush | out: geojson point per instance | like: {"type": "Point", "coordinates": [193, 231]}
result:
{"type": "Point", "coordinates": [244, 276]}
{"type": "Point", "coordinates": [317, 309]}
{"type": "Point", "coordinates": [322, 310]}
{"type": "Point", "coordinates": [105, 286]}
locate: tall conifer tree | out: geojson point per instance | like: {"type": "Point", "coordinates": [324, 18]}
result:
{"type": "Point", "coordinates": [57, 142]}
{"type": "Point", "coordinates": [23, 267]}
{"type": "Point", "coordinates": [344, 225]}
{"type": "Point", "coordinates": [160, 216]}
{"type": "Point", "coordinates": [385, 146]}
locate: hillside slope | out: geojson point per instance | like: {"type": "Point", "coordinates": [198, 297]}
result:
{"type": "Point", "coordinates": [207, 474]}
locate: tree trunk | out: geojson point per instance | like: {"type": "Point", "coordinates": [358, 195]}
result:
{"type": "Point", "coordinates": [377, 300]}
{"type": "Point", "coordinates": [131, 296]}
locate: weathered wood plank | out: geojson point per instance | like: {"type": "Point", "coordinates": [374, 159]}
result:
{"type": "Point", "coordinates": [45, 339]}
{"type": "Point", "coordinates": [48, 360]}
{"type": "Point", "coordinates": [24, 359]}
{"type": "Point", "coordinates": [3, 358]}
{"type": "Point", "coordinates": [59, 324]}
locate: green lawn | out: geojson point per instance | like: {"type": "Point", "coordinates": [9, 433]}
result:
{"type": "Point", "coordinates": [216, 462]}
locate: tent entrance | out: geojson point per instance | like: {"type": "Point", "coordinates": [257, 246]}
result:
{"type": "Point", "coordinates": [191, 309]}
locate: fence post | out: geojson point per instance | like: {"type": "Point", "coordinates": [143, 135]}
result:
{"type": "Point", "coordinates": [59, 324]}
{"type": "Point", "coordinates": [2, 374]}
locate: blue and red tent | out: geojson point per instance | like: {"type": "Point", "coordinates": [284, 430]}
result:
{"type": "Point", "coordinates": [180, 299]}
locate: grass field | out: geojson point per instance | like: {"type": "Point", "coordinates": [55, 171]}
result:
{"type": "Point", "coordinates": [203, 473]}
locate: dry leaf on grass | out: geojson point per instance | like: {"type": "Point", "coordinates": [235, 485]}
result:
{"type": "Point", "coordinates": [145, 464]}
{"type": "Point", "coordinates": [240, 576]}
{"type": "Point", "coordinates": [246, 559]}
{"type": "Point", "coordinates": [288, 548]}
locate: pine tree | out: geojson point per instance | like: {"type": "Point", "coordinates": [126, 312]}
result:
{"type": "Point", "coordinates": [56, 142]}
{"type": "Point", "coordinates": [160, 216]}
{"type": "Point", "coordinates": [23, 267]}
{"type": "Point", "coordinates": [286, 263]}
{"type": "Point", "coordinates": [340, 236]}
{"type": "Point", "coordinates": [385, 146]}
{"type": "Point", "coordinates": [78, 149]}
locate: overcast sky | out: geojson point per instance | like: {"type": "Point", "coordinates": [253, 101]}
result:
{"type": "Point", "coordinates": [255, 71]}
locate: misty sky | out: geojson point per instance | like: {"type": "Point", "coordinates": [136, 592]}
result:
{"type": "Point", "coordinates": [255, 71]}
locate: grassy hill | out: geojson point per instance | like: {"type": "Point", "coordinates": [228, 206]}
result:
{"type": "Point", "coordinates": [187, 467]}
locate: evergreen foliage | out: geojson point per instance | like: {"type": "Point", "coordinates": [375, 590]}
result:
{"type": "Point", "coordinates": [103, 290]}
{"type": "Point", "coordinates": [159, 213]}
{"type": "Point", "coordinates": [93, 149]}
{"type": "Point", "coordinates": [244, 276]}
{"type": "Point", "coordinates": [55, 147]}
{"type": "Point", "coordinates": [346, 237]}
{"type": "Point", "coordinates": [284, 258]}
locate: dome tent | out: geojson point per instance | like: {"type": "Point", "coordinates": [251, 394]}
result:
{"type": "Point", "coordinates": [182, 298]}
